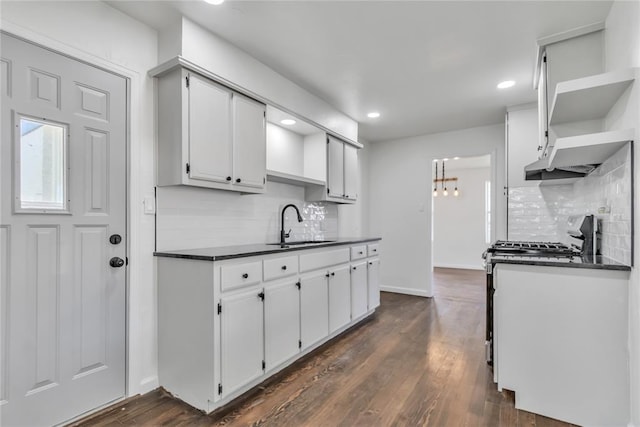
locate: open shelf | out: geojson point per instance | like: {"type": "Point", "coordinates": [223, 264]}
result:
{"type": "Point", "coordinates": [590, 149]}
{"type": "Point", "coordinates": [287, 178]}
{"type": "Point", "coordinates": [589, 98]}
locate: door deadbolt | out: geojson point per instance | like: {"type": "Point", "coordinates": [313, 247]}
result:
{"type": "Point", "coordinates": [116, 262]}
{"type": "Point", "coordinates": [115, 239]}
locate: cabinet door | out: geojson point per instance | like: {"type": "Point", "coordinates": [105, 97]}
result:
{"type": "Point", "coordinates": [242, 334]}
{"type": "Point", "coordinates": [314, 309]}
{"type": "Point", "coordinates": [373, 284]}
{"type": "Point", "coordinates": [281, 323]}
{"type": "Point", "coordinates": [339, 298]}
{"type": "Point", "coordinates": [209, 130]}
{"type": "Point", "coordinates": [350, 172]}
{"type": "Point", "coordinates": [335, 168]}
{"type": "Point", "coordinates": [249, 142]}
{"type": "Point", "coordinates": [359, 293]}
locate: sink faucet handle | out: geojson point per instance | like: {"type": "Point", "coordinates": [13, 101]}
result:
{"type": "Point", "coordinates": [287, 234]}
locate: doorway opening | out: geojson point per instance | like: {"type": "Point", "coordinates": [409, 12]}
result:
{"type": "Point", "coordinates": [462, 212]}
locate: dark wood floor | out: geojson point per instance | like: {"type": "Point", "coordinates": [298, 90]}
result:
{"type": "Point", "coordinates": [419, 361]}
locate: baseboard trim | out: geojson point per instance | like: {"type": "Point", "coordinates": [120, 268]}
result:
{"type": "Point", "coordinates": [406, 291]}
{"type": "Point", "coordinates": [459, 266]}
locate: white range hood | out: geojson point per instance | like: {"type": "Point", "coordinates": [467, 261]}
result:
{"type": "Point", "coordinates": [577, 156]}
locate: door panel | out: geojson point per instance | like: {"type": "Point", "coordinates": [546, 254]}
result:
{"type": "Point", "coordinates": [249, 142]}
{"type": "Point", "coordinates": [281, 322]}
{"type": "Point", "coordinates": [63, 323]}
{"type": "Point", "coordinates": [359, 294]}
{"type": "Point", "coordinates": [335, 165]}
{"type": "Point", "coordinates": [373, 283]}
{"type": "Point", "coordinates": [242, 345]}
{"type": "Point", "coordinates": [209, 130]}
{"type": "Point", "coordinates": [350, 172]}
{"type": "Point", "coordinates": [314, 309]}
{"type": "Point", "coordinates": [5, 262]}
{"type": "Point", "coordinates": [339, 298]}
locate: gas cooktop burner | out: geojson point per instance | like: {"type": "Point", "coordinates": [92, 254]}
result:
{"type": "Point", "coordinates": [507, 247]}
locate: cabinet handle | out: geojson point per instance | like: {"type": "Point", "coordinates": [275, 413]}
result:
{"type": "Point", "coordinates": [228, 178]}
{"type": "Point", "coordinates": [284, 267]}
{"type": "Point", "coordinates": [354, 268]}
{"type": "Point", "coordinates": [245, 276]}
{"type": "Point", "coordinates": [360, 253]}
{"type": "Point", "coordinates": [375, 250]}
{"type": "Point", "coordinates": [327, 275]}
{"type": "Point", "coordinates": [238, 180]}
{"type": "Point", "coordinates": [333, 274]}
{"type": "Point", "coordinates": [370, 263]}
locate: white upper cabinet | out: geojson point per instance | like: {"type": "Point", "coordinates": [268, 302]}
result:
{"type": "Point", "coordinates": [249, 142]}
{"type": "Point", "coordinates": [564, 60]}
{"type": "Point", "coordinates": [342, 173]}
{"type": "Point", "coordinates": [335, 168]}
{"type": "Point", "coordinates": [208, 135]}
{"type": "Point", "coordinates": [350, 172]}
{"type": "Point", "coordinates": [209, 130]}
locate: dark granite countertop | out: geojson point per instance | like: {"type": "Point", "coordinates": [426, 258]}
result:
{"type": "Point", "coordinates": [241, 251]}
{"type": "Point", "coordinates": [598, 262]}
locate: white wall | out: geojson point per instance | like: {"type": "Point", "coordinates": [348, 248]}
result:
{"type": "Point", "coordinates": [622, 50]}
{"type": "Point", "coordinates": [459, 222]}
{"type": "Point", "coordinates": [97, 33]}
{"type": "Point", "coordinates": [353, 220]}
{"type": "Point", "coordinates": [400, 199]}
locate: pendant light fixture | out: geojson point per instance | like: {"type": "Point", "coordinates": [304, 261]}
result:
{"type": "Point", "coordinates": [444, 180]}
{"type": "Point", "coordinates": [435, 182]}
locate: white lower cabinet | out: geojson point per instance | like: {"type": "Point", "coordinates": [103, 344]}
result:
{"type": "Point", "coordinates": [241, 339]}
{"type": "Point", "coordinates": [314, 308]}
{"type": "Point", "coordinates": [339, 298]}
{"type": "Point", "coordinates": [359, 292]}
{"type": "Point", "coordinates": [281, 322]}
{"type": "Point", "coordinates": [224, 326]}
{"type": "Point", "coordinates": [373, 284]}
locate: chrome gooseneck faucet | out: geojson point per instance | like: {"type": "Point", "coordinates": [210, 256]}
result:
{"type": "Point", "coordinates": [284, 235]}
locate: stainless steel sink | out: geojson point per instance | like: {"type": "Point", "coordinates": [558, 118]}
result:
{"type": "Point", "coordinates": [301, 242]}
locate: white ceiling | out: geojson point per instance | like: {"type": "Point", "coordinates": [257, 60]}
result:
{"type": "Point", "coordinates": [426, 66]}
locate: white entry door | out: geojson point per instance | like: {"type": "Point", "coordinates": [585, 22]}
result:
{"type": "Point", "coordinates": [62, 235]}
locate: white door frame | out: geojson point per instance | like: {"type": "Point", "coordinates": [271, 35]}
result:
{"type": "Point", "coordinates": [493, 156]}
{"type": "Point", "coordinates": [133, 80]}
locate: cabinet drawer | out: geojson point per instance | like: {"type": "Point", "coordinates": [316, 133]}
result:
{"type": "Point", "coordinates": [318, 260]}
{"type": "Point", "coordinates": [358, 252]}
{"type": "Point", "coordinates": [373, 249]}
{"type": "Point", "coordinates": [280, 267]}
{"type": "Point", "coordinates": [238, 275]}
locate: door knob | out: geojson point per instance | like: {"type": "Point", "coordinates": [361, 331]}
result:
{"type": "Point", "coordinates": [116, 262]}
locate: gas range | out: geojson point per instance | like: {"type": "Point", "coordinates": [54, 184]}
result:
{"type": "Point", "coordinates": [582, 229]}
{"type": "Point", "coordinates": [532, 249]}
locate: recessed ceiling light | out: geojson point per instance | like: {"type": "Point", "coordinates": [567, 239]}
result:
{"type": "Point", "coordinates": [288, 122]}
{"type": "Point", "coordinates": [505, 84]}
{"type": "Point", "coordinates": [214, 2]}
{"type": "Point", "coordinates": [445, 160]}
{"type": "Point", "coordinates": [456, 158]}
{"type": "Point", "coordinates": [373, 115]}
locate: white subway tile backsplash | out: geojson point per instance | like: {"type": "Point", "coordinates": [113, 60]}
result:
{"type": "Point", "coordinates": [189, 217]}
{"type": "Point", "coordinates": [540, 213]}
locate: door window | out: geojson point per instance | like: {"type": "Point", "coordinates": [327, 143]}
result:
{"type": "Point", "coordinates": [41, 172]}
